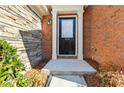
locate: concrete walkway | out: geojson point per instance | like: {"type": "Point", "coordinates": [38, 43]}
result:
{"type": "Point", "coordinates": [67, 72]}
{"type": "Point", "coordinates": [66, 81]}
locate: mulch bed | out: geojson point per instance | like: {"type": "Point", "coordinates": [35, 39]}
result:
{"type": "Point", "coordinates": [41, 64]}
{"type": "Point", "coordinates": [92, 80]}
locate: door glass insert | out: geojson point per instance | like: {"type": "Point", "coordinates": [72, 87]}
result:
{"type": "Point", "coordinates": [67, 28]}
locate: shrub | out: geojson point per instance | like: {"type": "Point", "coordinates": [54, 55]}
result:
{"type": "Point", "coordinates": [108, 75]}
{"type": "Point", "coordinates": [36, 78]}
{"type": "Point", "coordinates": [10, 67]}
{"type": "Point", "coordinates": [110, 78]}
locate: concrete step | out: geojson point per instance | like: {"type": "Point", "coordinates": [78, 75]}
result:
{"type": "Point", "coordinates": [66, 81]}
{"type": "Point", "coordinates": [68, 67]}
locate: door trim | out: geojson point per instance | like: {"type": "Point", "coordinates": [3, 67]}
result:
{"type": "Point", "coordinates": [66, 16]}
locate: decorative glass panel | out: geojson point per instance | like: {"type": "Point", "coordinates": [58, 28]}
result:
{"type": "Point", "coordinates": [67, 28]}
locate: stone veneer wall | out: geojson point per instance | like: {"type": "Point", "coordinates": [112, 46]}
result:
{"type": "Point", "coordinates": [22, 28]}
{"type": "Point", "coordinates": [104, 35]}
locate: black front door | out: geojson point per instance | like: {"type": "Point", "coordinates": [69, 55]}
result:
{"type": "Point", "coordinates": [67, 35]}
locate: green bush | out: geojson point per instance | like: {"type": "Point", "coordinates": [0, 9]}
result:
{"type": "Point", "coordinates": [11, 67]}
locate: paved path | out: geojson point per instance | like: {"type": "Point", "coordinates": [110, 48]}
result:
{"type": "Point", "coordinates": [67, 81]}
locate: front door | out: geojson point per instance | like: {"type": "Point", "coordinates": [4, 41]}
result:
{"type": "Point", "coordinates": [67, 35]}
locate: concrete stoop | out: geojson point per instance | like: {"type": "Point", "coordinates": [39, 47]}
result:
{"type": "Point", "coordinates": [67, 73]}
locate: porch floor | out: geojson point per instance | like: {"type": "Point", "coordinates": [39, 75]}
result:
{"type": "Point", "coordinates": [68, 67]}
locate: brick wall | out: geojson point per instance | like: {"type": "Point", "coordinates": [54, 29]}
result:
{"type": "Point", "coordinates": [104, 34]}
{"type": "Point", "coordinates": [47, 38]}
{"type": "Point", "coordinates": [22, 28]}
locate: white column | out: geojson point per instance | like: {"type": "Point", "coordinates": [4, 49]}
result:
{"type": "Point", "coordinates": [54, 34]}
{"type": "Point", "coordinates": [80, 34]}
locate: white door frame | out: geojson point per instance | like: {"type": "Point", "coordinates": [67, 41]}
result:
{"type": "Point", "coordinates": [66, 16]}
{"type": "Point", "coordinates": [67, 9]}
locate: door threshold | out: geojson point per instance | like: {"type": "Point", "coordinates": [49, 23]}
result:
{"type": "Point", "coordinates": [67, 57]}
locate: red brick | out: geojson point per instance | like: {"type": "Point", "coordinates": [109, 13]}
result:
{"type": "Point", "coordinates": [46, 38]}
{"type": "Point", "coordinates": [104, 34]}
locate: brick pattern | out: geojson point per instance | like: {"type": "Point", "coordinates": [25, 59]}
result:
{"type": "Point", "coordinates": [47, 37]}
{"type": "Point", "coordinates": [104, 34]}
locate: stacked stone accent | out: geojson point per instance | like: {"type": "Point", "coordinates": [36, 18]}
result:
{"type": "Point", "coordinates": [20, 26]}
